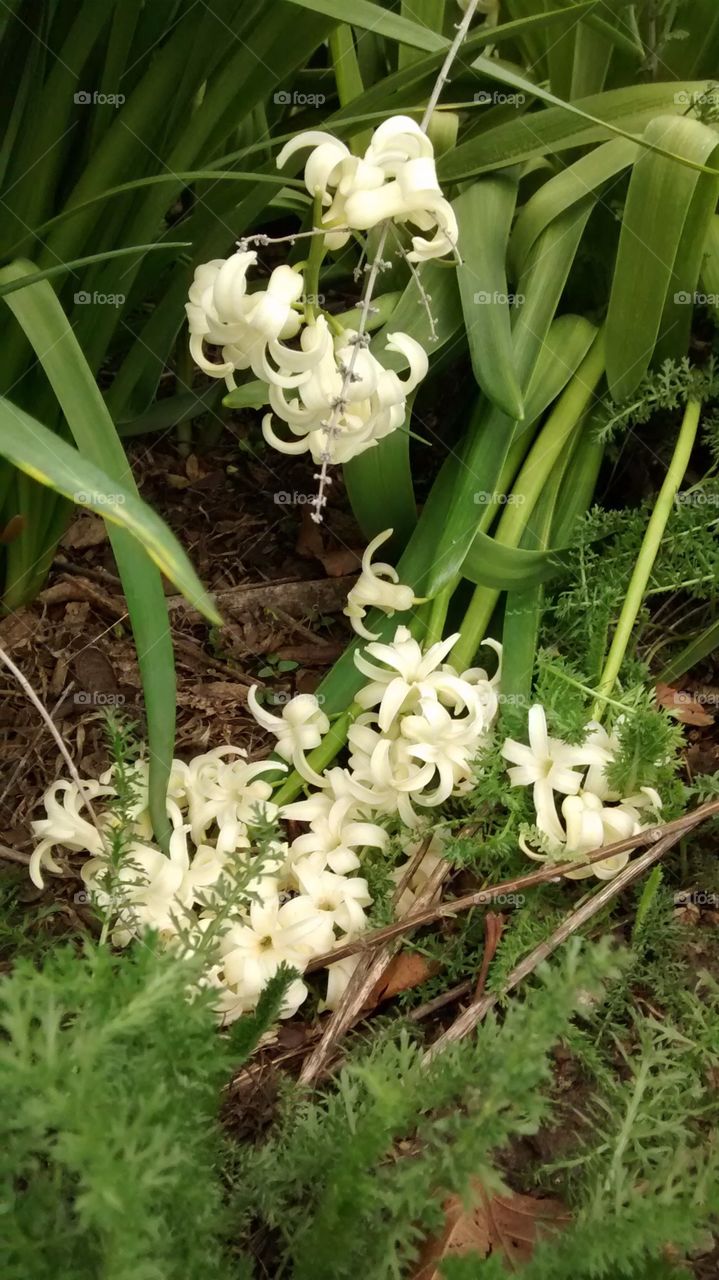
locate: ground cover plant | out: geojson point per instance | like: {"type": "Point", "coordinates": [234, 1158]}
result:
{"type": "Point", "coordinates": [363, 919]}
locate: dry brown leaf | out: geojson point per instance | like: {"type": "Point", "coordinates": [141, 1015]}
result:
{"type": "Point", "coordinates": [309, 542]}
{"type": "Point", "coordinates": [682, 705]}
{"type": "Point", "coordinates": [510, 1225]}
{"type": "Point", "coordinates": [85, 531]}
{"type": "Point", "coordinates": [407, 970]}
{"type": "Point", "coordinates": [341, 560]}
{"type": "Point", "coordinates": [12, 530]}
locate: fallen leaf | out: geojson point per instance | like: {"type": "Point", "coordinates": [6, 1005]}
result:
{"type": "Point", "coordinates": [86, 531]}
{"type": "Point", "coordinates": [341, 560]}
{"type": "Point", "coordinates": [682, 705]}
{"type": "Point", "coordinates": [12, 530]}
{"type": "Point", "coordinates": [309, 542]}
{"type": "Point", "coordinates": [407, 970]}
{"type": "Point", "coordinates": [509, 1225]}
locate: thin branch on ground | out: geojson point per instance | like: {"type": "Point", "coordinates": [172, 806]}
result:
{"type": "Point", "coordinates": [470, 1018]}
{"type": "Point", "coordinates": [485, 897]}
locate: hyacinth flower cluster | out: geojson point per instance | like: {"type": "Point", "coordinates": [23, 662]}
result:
{"type": "Point", "coordinates": [577, 811]}
{"type": "Point", "coordinates": [415, 744]}
{"type": "Point", "coordinates": [418, 739]}
{"type": "Point", "coordinates": [334, 397]}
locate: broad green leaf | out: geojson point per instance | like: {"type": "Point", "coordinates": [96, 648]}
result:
{"type": "Point", "coordinates": [695, 651]}
{"type": "Point", "coordinates": [491, 564]}
{"type": "Point", "coordinates": [563, 127]}
{"type": "Point", "coordinates": [664, 228]}
{"type": "Point", "coordinates": [572, 186]}
{"type": "Point", "coordinates": [428, 13]}
{"type": "Point", "coordinates": [710, 265]}
{"type": "Point", "coordinates": [171, 410]}
{"type": "Point", "coordinates": [565, 346]}
{"type": "Point", "coordinates": [372, 17]}
{"type": "Point", "coordinates": [485, 212]}
{"type": "Point", "coordinates": [41, 317]}
{"type": "Point", "coordinates": [135, 250]}
{"type": "Point", "coordinates": [249, 395]}
{"type": "Point", "coordinates": [408, 87]}
{"type": "Point", "coordinates": [51, 461]}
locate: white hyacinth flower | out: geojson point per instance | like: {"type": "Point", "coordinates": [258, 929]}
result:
{"type": "Point", "coordinates": [370, 407]}
{"type": "Point", "coordinates": [547, 765]}
{"type": "Point", "coordinates": [339, 899]}
{"type": "Point", "coordinates": [336, 831]}
{"type": "Point", "coordinates": [228, 793]}
{"type": "Point", "coordinates": [247, 327]}
{"type": "Point", "coordinates": [396, 178]}
{"type": "Point", "coordinates": [65, 825]}
{"type": "Point", "coordinates": [405, 675]}
{"type": "Point", "coordinates": [288, 933]}
{"type": "Point", "coordinates": [148, 891]}
{"type": "Point", "coordinates": [339, 975]}
{"type": "Point", "coordinates": [300, 728]}
{"type": "Point", "coordinates": [378, 587]}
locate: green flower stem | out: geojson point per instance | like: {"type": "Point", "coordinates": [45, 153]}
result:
{"type": "Point", "coordinates": [554, 438]}
{"type": "Point", "coordinates": [314, 262]}
{"type": "Point", "coordinates": [321, 757]}
{"type": "Point", "coordinates": [648, 553]}
{"type": "Point", "coordinates": [437, 611]}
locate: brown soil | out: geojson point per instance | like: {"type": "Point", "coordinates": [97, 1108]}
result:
{"type": "Point", "coordinates": [279, 580]}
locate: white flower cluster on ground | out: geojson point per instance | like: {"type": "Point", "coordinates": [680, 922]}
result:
{"type": "Point", "coordinates": [329, 376]}
{"type": "Point", "coordinates": [258, 904]}
{"type": "Point", "coordinates": [253, 900]}
{"type": "Point", "coordinates": [591, 814]}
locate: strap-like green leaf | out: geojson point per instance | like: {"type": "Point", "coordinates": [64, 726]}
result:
{"type": "Point", "coordinates": [664, 228]}
{"type": "Point", "coordinates": [43, 456]}
{"type": "Point", "coordinates": [492, 564]}
{"type": "Point", "coordinates": [563, 127]}
{"type": "Point", "coordinates": [372, 17]}
{"type": "Point", "coordinates": [485, 212]}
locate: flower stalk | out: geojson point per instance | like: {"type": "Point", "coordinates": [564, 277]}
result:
{"type": "Point", "coordinates": [648, 553]}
